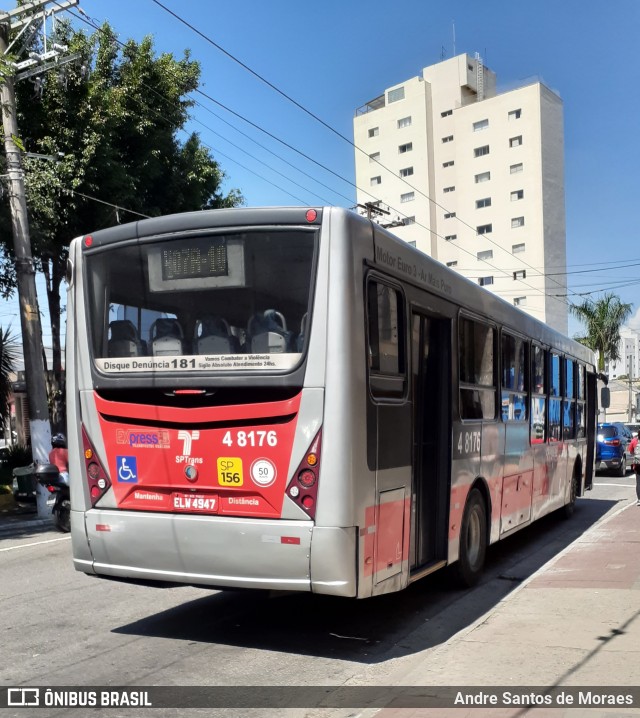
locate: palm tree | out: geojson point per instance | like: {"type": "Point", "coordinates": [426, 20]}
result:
{"type": "Point", "coordinates": [603, 319]}
{"type": "Point", "coordinates": [9, 350]}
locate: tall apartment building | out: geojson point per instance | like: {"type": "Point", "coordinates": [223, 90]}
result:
{"type": "Point", "coordinates": [474, 178]}
{"type": "Point", "coordinates": [629, 351]}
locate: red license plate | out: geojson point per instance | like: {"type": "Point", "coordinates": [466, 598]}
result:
{"type": "Point", "coordinates": [198, 503]}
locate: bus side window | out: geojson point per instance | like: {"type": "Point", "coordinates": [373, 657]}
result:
{"type": "Point", "coordinates": [581, 395]}
{"type": "Point", "coordinates": [555, 401]}
{"type": "Point", "coordinates": [538, 396]}
{"type": "Point", "coordinates": [515, 354]}
{"type": "Point", "coordinates": [477, 370]}
{"type": "Point", "coordinates": [569, 403]}
{"type": "Point", "coordinates": [386, 340]}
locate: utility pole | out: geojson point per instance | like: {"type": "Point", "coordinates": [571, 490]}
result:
{"type": "Point", "coordinates": [630, 377]}
{"type": "Point", "coordinates": [40, 429]}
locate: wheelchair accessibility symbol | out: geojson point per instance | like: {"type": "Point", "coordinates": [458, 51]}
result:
{"type": "Point", "coordinates": [127, 469]}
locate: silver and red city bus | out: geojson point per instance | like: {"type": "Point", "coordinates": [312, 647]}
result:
{"type": "Point", "coordinates": [295, 399]}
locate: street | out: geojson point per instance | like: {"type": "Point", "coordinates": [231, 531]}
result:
{"type": "Point", "coordinates": [63, 628]}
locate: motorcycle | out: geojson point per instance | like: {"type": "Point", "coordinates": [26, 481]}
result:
{"type": "Point", "coordinates": [48, 476]}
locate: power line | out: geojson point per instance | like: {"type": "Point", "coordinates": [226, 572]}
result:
{"type": "Point", "coordinates": [339, 134]}
{"type": "Point", "coordinates": [91, 23]}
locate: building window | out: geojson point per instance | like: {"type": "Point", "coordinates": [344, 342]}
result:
{"type": "Point", "coordinates": [515, 114]}
{"type": "Point", "coordinates": [483, 177]}
{"type": "Point", "coordinates": [405, 148]}
{"type": "Point", "coordinates": [486, 202]}
{"type": "Point", "coordinates": [481, 151]}
{"type": "Point", "coordinates": [480, 125]}
{"type": "Point", "coordinates": [449, 215]}
{"type": "Point", "coordinates": [517, 222]}
{"type": "Point", "coordinates": [452, 264]}
{"type": "Point", "coordinates": [520, 274]}
{"type": "Point", "coordinates": [375, 180]}
{"type": "Point", "coordinates": [406, 172]}
{"type": "Point", "coordinates": [404, 122]}
{"type": "Point", "coordinates": [449, 189]}
{"type": "Point", "coordinates": [486, 254]}
{"type": "Point", "coordinates": [514, 169]}
{"type": "Point", "coordinates": [374, 157]}
{"type": "Point", "coordinates": [407, 197]}
{"type": "Point", "coordinates": [450, 163]}
{"type": "Point", "coordinates": [446, 113]}
{"type": "Point", "coordinates": [374, 132]}
{"type": "Point", "coordinates": [518, 194]}
{"type": "Point", "coordinates": [485, 281]}
{"type": "Point", "coordinates": [395, 95]}
{"type": "Point", "coordinates": [517, 248]}
{"type": "Point", "coordinates": [450, 237]}
{"type": "Point", "coordinates": [448, 138]}
{"type": "Point", "coordinates": [520, 301]}
{"type": "Point", "coordinates": [484, 228]}
{"type": "Point", "coordinates": [515, 141]}
{"type": "Point", "coordinates": [409, 220]}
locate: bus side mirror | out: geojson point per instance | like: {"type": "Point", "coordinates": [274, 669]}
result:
{"type": "Point", "coordinates": [605, 397]}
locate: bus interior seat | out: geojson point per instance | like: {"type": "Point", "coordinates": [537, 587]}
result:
{"type": "Point", "coordinates": [303, 330]}
{"type": "Point", "coordinates": [124, 340]}
{"type": "Point", "coordinates": [165, 338]}
{"type": "Point", "coordinates": [267, 333]}
{"type": "Point", "coordinates": [213, 335]}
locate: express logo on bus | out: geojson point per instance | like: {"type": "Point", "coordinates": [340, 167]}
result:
{"type": "Point", "coordinates": [143, 439]}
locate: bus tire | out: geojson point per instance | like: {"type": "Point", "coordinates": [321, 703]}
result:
{"type": "Point", "coordinates": [569, 508]}
{"type": "Point", "coordinates": [473, 540]}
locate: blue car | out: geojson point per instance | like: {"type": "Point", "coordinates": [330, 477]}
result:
{"type": "Point", "coordinates": [612, 448]}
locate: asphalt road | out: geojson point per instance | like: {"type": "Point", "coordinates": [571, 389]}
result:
{"type": "Point", "coordinates": [63, 628]}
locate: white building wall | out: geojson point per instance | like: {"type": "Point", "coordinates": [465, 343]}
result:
{"type": "Point", "coordinates": [443, 106]}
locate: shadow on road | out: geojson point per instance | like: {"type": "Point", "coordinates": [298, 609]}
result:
{"type": "Point", "coordinates": [426, 614]}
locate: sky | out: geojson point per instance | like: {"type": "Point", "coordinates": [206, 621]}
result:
{"type": "Point", "coordinates": [334, 56]}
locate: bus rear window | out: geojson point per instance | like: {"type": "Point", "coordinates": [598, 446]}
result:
{"type": "Point", "coordinates": [218, 302]}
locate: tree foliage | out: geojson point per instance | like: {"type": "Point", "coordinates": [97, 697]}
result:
{"type": "Point", "coordinates": [603, 319]}
{"type": "Point", "coordinates": [113, 121]}
{"type": "Point", "coordinates": [9, 349]}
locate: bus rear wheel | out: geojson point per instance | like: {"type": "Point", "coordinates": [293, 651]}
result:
{"type": "Point", "coordinates": [473, 540]}
{"type": "Point", "coordinates": [569, 508]}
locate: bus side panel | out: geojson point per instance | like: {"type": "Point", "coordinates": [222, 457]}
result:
{"type": "Point", "coordinates": [334, 553]}
{"type": "Point", "coordinates": [347, 483]}
{"type": "Point", "coordinates": [76, 379]}
{"type": "Point", "coordinates": [517, 485]}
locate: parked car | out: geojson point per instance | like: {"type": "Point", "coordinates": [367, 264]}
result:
{"type": "Point", "coordinates": [612, 447]}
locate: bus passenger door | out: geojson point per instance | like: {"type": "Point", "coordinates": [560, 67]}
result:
{"type": "Point", "coordinates": [431, 395]}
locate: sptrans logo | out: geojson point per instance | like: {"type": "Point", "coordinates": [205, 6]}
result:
{"type": "Point", "coordinates": [187, 438]}
{"type": "Point", "coordinates": [143, 439]}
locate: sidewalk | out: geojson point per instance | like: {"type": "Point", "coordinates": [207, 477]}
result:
{"type": "Point", "coordinates": [20, 518]}
{"type": "Point", "coordinates": [576, 622]}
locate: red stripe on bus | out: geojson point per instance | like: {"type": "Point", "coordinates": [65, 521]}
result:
{"type": "Point", "coordinates": [290, 539]}
{"type": "Point", "coordinates": [103, 527]}
{"type": "Point", "coordinates": [244, 412]}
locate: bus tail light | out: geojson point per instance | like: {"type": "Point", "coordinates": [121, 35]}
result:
{"type": "Point", "coordinates": [303, 488]}
{"type": "Point", "coordinates": [97, 477]}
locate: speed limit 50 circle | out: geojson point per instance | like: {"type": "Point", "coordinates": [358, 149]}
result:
{"type": "Point", "coordinates": [263, 472]}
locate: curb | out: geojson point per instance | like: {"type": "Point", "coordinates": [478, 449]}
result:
{"type": "Point", "coordinates": [6, 501]}
{"type": "Point", "coordinates": [15, 526]}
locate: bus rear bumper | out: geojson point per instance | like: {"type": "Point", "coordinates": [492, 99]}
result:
{"type": "Point", "coordinates": [214, 551]}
